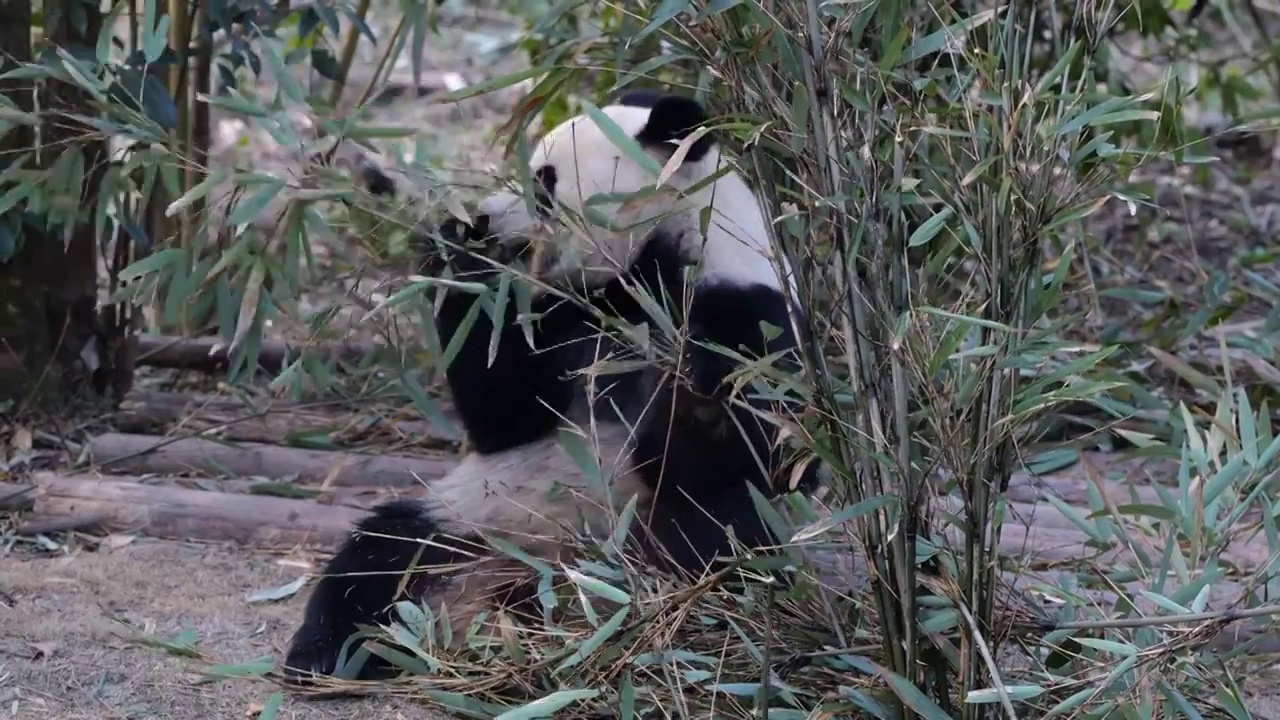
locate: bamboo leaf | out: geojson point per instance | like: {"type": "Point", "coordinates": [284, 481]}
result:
{"type": "Point", "coordinates": [547, 706]}
{"type": "Point", "coordinates": [624, 142]}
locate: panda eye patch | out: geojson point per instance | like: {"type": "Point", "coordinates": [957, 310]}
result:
{"type": "Point", "coordinates": [545, 189]}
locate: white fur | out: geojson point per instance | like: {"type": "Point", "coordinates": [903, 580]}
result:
{"type": "Point", "coordinates": [533, 492]}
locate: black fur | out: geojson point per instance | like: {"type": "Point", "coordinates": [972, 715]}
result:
{"type": "Point", "coordinates": [360, 582]}
{"type": "Point", "coordinates": [534, 384]}
{"type": "Point", "coordinates": [672, 118]}
{"type": "Point", "coordinates": [378, 182]}
{"type": "Point", "coordinates": [699, 461]}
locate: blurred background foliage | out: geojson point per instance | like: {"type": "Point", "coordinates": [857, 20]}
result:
{"type": "Point", "coordinates": [979, 202]}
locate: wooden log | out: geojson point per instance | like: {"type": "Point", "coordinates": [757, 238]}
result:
{"type": "Point", "coordinates": [16, 497]}
{"type": "Point", "coordinates": [209, 354]}
{"type": "Point", "coordinates": [147, 454]}
{"type": "Point", "coordinates": [44, 526]}
{"type": "Point", "coordinates": [127, 505]}
{"type": "Point", "coordinates": [275, 422]}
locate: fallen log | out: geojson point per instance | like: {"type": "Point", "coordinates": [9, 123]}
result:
{"type": "Point", "coordinates": [44, 526]}
{"type": "Point", "coordinates": [15, 497]}
{"type": "Point", "coordinates": [209, 354]}
{"type": "Point", "coordinates": [275, 422]}
{"type": "Point", "coordinates": [127, 505]}
{"type": "Point", "coordinates": [148, 454]}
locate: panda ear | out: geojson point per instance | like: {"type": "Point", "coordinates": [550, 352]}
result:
{"type": "Point", "coordinates": [671, 119]}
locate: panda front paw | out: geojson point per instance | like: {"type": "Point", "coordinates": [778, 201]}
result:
{"type": "Point", "coordinates": [709, 373]}
{"type": "Point", "coordinates": [471, 251]}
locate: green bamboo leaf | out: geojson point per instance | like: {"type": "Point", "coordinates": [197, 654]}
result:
{"type": "Point", "coordinates": [103, 49]}
{"type": "Point", "coordinates": [911, 696]}
{"type": "Point", "coordinates": [153, 46]}
{"type": "Point", "coordinates": [82, 76]}
{"type": "Point", "coordinates": [460, 335]}
{"type": "Point", "coordinates": [929, 228]}
{"type": "Point", "coordinates": [501, 296]}
{"type": "Point", "coordinates": [624, 142]}
{"type": "Point", "coordinates": [252, 668]}
{"type": "Point", "coordinates": [248, 208]}
{"type": "Point", "coordinates": [511, 550]}
{"type": "Point", "coordinates": [627, 698]}
{"type": "Point", "coordinates": [1078, 519]}
{"type": "Point", "coordinates": [459, 703]}
{"type": "Point", "coordinates": [236, 105]}
{"type": "Point", "coordinates": [940, 39]}
{"type": "Point", "coordinates": [777, 524]}
{"type": "Point", "coordinates": [597, 586]}
{"type": "Point", "coordinates": [646, 69]}
{"type": "Point", "coordinates": [271, 706]}
{"type": "Point", "coordinates": [1179, 701]}
{"type": "Point", "coordinates": [152, 263]}
{"type": "Point", "coordinates": [1060, 67]}
{"type": "Point", "coordinates": [1071, 704]}
{"type": "Point", "coordinates": [665, 12]}
{"type": "Point", "coordinates": [1165, 603]}
{"type": "Point", "coordinates": [1079, 122]}
{"type": "Point", "coordinates": [983, 322]}
{"type": "Point", "coordinates": [597, 639]}
{"type": "Point", "coordinates": [153, 43]}
{"type": "Point", "coordinates": [378, 132]}
{"type": "Point", "coordinates": [1123, 116]}
{"type": "Point", "coordinates": [490, 85]}
{"type": "Point", "coordinates": [1013, 692]}
{"type": "Point", "coordinates": [200, 190]}
{"type": "Point", "coordinates": [1248, 429]}
{"type": "Point", "coordinates": [249, 302]}
{"type": "Point", "coordinates": [16, 194]}
{"type": "Point", "coordinates": [284, 78]}
{"type": "Point", "coordinates": [584, 458]}
{"type": "Point", "coordinates": [545, 707]}
{"type": "Point", "coordinates": [1109, 646]}
{"type": "Point", "coordinates": [618, 539]}
{"type": "Point", "coordinates": [852, 512]}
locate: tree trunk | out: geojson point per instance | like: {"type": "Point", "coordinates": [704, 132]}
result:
{"type": "Point", "coordinates": [48, 317]}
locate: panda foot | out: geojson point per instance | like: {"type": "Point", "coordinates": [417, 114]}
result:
{"type": "Point", "coordinates": [308, 659]}
{"type": "Point", "coordinates": [312, 658]}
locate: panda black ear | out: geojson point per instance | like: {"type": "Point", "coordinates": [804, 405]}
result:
{"type": "Point", "coordinates": [671, 119]}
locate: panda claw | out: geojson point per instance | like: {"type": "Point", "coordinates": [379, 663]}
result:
{"type": "Point", "coordinates": [707, 376]}
{"type": "Point", "coordinates": [307, 663]}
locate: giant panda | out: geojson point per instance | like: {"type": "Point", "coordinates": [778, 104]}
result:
{"type": "Point", "coordinates": [676, 442]}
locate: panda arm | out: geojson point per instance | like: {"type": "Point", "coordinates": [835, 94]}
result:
{"type": "Point", "coordinates": [519, 396]}
{"type": "Point", "coordinates": [524, 393]}
{"type": "Point", "coordinates": [733, 316]}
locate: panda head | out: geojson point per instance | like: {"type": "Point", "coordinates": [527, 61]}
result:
{"type": "Point", "coordinates": [593, 206]}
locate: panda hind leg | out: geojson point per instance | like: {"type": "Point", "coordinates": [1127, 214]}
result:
{"type": "Point", "coordinates": [361, 582]}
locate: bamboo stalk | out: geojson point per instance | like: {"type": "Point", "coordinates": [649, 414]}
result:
{"type": "Point", "coordinates": [348, 54]}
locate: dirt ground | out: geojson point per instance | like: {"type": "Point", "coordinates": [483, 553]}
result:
{"type": "Point", "coordinates": [63, 654]}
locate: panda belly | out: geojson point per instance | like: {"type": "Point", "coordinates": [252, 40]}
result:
{"type": "Point", "coordinates": [532, 497]}
{"type": "Point", "coordinates": [537, 489]}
